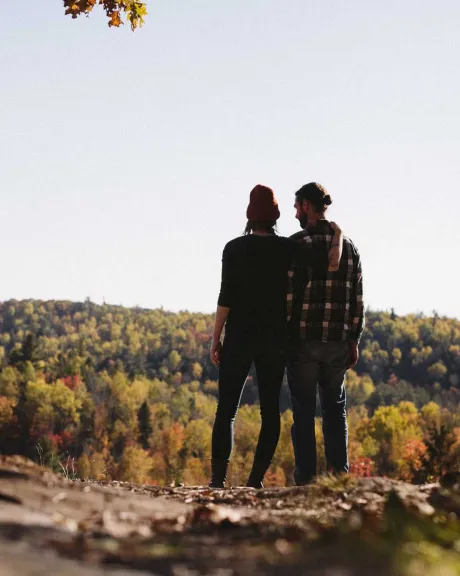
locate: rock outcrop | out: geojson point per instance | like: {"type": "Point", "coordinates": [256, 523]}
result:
{"type": "Point", "coordinates": [338, 527]}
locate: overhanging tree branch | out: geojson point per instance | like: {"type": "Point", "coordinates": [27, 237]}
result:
{"type": "Point", "coordinates": [134, 11]}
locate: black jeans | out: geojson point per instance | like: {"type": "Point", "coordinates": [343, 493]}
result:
{"type": "Point", "coordinates": [322, 364]}
{"type": "Point", "coordinates": [269, 357]}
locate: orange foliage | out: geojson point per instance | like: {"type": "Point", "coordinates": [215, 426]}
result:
{"type": "Point", "coordinates": [414, 452]}
{"type": "Point", "coordinates": [6, 411]}
{"type": "Point", "coordinates": [362, 467]}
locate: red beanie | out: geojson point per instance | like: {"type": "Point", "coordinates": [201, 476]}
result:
{"type": "Point", "coordinates": [263, 206]}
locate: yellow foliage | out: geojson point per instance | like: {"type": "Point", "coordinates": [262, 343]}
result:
{"type": "Point", "coordinates": [431, 415]}
{"type": "Point", "coordinates": [6, 411]}
{"type": "Point", "coordinates": [9, 383]}
{"type": "Point", "coordinates": [161, 416]}
{"type": "Point", "coordinates": [205, 407]}
{"type": "Point", "coordinates": [197, 370]}
{"type": "Point", "coordinates": [247, 428]}
{"type": "Point", "coordinates": [158, 473]}
{"type": "Point", "coordinates": [135, 465]}
{"type": "Point", "coordinates": [197, 439]}
{"type": "Point", "coordinates": [284, 455]}
{"type": "Point", "coordinates": [174, 360]}
{"type": "Point", "coordinates": [172, 442]}
{"type": "Point", "coordinates": [437, 371]}
{"type": "Point", "coordinates": [196, 472]}
{"type": "Point", "coordinates": [84, 467]}
{"type": "Point", "coordinates": [98, 466]}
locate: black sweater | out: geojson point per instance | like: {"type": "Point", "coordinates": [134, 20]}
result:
{"type": "Point", "coordinates": [255, 279]}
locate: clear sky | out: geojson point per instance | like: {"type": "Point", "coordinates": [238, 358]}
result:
{"type": "Point", "coordinates": [126, 160]}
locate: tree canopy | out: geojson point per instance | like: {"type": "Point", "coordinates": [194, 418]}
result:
{"type": "Point", "coordinates": [130, 393]}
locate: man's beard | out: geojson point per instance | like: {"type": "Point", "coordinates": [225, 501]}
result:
{"type": "Point", "coordinates": [303, 220]}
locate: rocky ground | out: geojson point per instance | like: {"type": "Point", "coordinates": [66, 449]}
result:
{"type": "Point", "coordinates": [347, 527]}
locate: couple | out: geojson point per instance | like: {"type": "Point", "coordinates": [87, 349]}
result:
{"type": "Point", "coordinates": [294, 302]}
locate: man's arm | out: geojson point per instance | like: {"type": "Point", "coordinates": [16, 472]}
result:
{"type": "Point", "coordinates": [297, 276]}
{"type": "Point", "coordinates": [356, 309]}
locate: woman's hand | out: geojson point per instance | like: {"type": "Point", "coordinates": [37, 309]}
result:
{"type": "Point", "coordinates": [222, 313]}
{"type": "Point", "coordinates": [215, 351]}
{"type": "Point", "coordinates": [335, 254]}
{"type": "Point", "coordinates": [335, 251]}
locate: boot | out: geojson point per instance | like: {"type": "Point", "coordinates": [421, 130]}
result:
{"type": "Point", "coordinates": [218, 473]}
{"type": "Point", "coordinates": [256, 477]}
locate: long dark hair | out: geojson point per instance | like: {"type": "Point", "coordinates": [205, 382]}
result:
{"type": "Point", "coordinates": [252, 226]}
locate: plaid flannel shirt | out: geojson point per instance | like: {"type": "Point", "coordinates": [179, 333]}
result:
{"type": "Point", "coordinates": [326, 306]}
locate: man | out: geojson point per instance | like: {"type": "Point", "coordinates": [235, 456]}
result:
{"type": "Point", "coordinates": [327, 319]}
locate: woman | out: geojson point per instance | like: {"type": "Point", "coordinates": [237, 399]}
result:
{"type": "Point", "coordinates": [252, 306]}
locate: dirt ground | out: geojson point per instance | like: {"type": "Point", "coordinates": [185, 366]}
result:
{"type": "Point", "coordinates": [344, 527]}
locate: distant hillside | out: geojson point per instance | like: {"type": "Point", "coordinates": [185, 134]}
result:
{"type": "Point", "coordinates": [71, 334]}
{"type": "Point", "coordinates": [71, 337]}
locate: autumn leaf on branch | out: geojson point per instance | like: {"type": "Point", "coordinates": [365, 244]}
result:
{"type": "Point", "coordinates": [134, 10]}
{"type": "Point", "coordinates": [115, 19]}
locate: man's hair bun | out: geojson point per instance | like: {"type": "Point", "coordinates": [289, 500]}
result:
{"type": "Point", "coordinates": [316, 194]}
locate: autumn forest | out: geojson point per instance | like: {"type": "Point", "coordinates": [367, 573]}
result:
{"type": "Point", "coordinates": [106, 392]}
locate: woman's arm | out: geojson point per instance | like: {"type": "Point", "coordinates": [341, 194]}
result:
{"type": "Point", "coordinates": [318, 255]}
{"type": "Point", "coordinates": [216, 344]}
{"type": "Point", "coordinates": [335, 251]}
{"type": "Point", "coordinates": [226, 296]}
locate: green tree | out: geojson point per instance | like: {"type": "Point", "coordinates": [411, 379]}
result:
{"type": "Point", "coordinates": [440, 456]}
{"type": "Point", "coordinates": [174, 360]}
{"type": "Point", "coordinates": [26, 353]}
{"type": "Point", "coordinates": [437, 371]}
{"type": "Point", "coordinates": [393, 394]}
{"type": "Point", "coordinates": [144, 419]}
{"type": "Point", "coordinates": [359, 388]}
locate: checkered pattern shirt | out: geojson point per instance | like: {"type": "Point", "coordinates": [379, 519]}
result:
{"type": "Point", "coordinates": [326, 306]}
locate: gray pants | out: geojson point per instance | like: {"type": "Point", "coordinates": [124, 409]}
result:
{"type": "Point", "coordinates": [322, 364]}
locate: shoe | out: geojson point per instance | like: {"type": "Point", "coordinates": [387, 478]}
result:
{"type": "Point", "coordinates": [218, 473]}
{"type": "Point", "coordinates": [257, 485]}
{"type": "Point", "coordinates": [256, 477]}
{"type": "Point", "coordinates": [303, 480]}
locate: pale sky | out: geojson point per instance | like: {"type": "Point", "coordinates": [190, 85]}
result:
{"type": "Point", "coordinates": [126, 160]}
